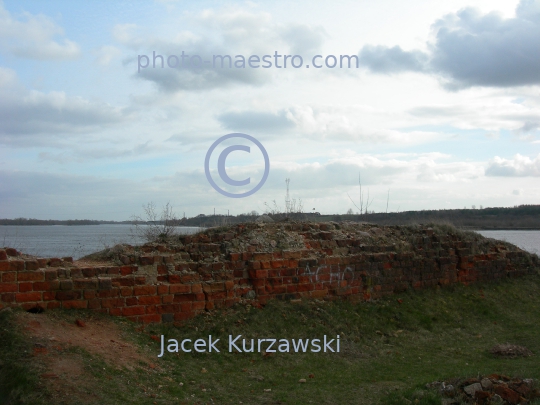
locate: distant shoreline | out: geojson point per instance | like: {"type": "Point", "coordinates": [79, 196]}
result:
{"type": "Point", "coordinates": [523, 217]}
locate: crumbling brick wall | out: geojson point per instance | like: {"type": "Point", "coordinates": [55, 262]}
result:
{"type": "Point", "coordinates": [174, 282]}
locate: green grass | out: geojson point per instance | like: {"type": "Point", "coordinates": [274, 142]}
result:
{"type": "Point", "coordinates": [19, 383]}
{"type": "Point", "coordinates": [390, 350]}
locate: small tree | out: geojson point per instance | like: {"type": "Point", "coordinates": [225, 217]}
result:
{"type": "Point", "coordinates": [156, 227]}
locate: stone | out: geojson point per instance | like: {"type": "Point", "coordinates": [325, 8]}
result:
{"type": "Point", "coordinates": [482, 397]}
{"type": "Point", "coordinates": [302, 380]}
{"type": "Point", "coordinates": [471, 389]}
{"type": "Point", "coordinates": [264, 219]}
{"type": "Point", "coordinates": [507, 394]}
{"type": "Point", "coordinates": [486, 384]}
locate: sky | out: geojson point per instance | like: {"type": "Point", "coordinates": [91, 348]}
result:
{"type": "Point", "coordinates": [441, 110]}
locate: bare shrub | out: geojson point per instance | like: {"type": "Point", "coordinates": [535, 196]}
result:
{"type": "Point", "coordinates": [156, 226]}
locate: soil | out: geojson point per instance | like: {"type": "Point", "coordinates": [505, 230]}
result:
{"type": "Point", "coordinates": [64, 349]}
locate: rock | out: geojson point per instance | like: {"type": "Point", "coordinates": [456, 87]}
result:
{"type": "Point", "coordinates": [251, 295]}
{"type": "Point", "coordinates": [203, 370]}
{"type": "Point", "coordinates": [267, 389]}
{"type": "Point", "coordinates": [264, 219]}
{"type": "Point", "coordinates": [448, 390]}
{"type": "Point", "coordinates": [486, 384]}
{"type": "Point", "coordinates": [507, 394]}
{"type": "Point", "coordinates": [471, 389]}
{"type": "Point", "coordinates": [496, 399]}
{"type": "Point", "coordinates": [302, 380]}
{"type": "Point", "coordinates": [508, 350]}
{"type": "Point", "coordinates": [482, 397]}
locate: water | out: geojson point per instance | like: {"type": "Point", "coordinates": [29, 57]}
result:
{"type": "Point", "coordinates": [76, 240]}
{"type": "Point", "coordinates": [81, 240]}
{"type": "Point", "coordinates": [526, 240]}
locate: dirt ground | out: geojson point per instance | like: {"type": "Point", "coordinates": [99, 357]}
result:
{"type": "Point", "coordinates": [65, 349]}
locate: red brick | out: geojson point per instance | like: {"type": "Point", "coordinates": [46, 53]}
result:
{"type": "Point", "coordinates": [8, 287]}
{"type": "Point", "coordinates": [180, 289]}
{"type": "Point", "coordinates": [149, 300]}
{"type": "Point", "coordinates": [182, 316]}
{"type": "Point", "coordinates": [31, 276]}
{"type": "Point", "coordinates": [258, 274]}
{"type": "Point", "coordinates": [94, 303]}
{"type": "Point", "coordinates": [132, 301]}
{"type": "Point", "coordinates": [112, 302]}
{"type": "Point", "coordinates": [28, 297]}
{"type": "Point", "coordinates": [152, 318]}
{"type": "Point", "coordinates": [109, 293]}
{"type": "Point", "coordinates": [198, 305]}
{"type": "Point", "coordinates": [130, 311]}
{"type": "Point", "coordinates": [4, 266]}
{"type": "Point", "coordinates": [126, 291]}
{"type": "Point", "coordinates": [185, 297]}
{"type": "Point", "coordinates": [75, 304]}
{"type": "Point", "coordinates": [90, 294]}
{"type": "Point", "coordinates": [115, 311]}
{"type": "Point", "coordinates": [278, 263]}
{"type": "Point", "coordinates": [46, 285]}
{"type": "Point", "coordinates": [167, 299]}
{"type": "Point", "coordinates": [16, 265]}
{"type": "Point", "coordinates": [146, 260]}
{"type": "Point", "coordinates": [25, 287]}
{"type": "Point", "coordinates": [318, 293]}
{"type": "Point", "coordinates": [3, 254]}
{"type": "Point", "coordinates": [11, 252]}
{"type": "Point", "coordinates": [53, 305]}
{"type": "Point", "coordinates": [265, 265]}
{"type": "Point", "coordinates": [8, 277]}
{"type": "Point", "coordinates": [151, 309]}
{"type": "Point", "coordinates": [163, 289]}
{"type": "Point", "coordinates": [49, 296]}
{"type": "Point", "coordinates": [126, 270]}
{"type": "Point", "coordinates": [85, 284]}
{"type": "Point", "coordinates": [67, 295]}
{"type": "Point", "coordinates": [196, 288]}
{"type": "Point", "coordinates": [50, 274]}
{"type": "Point", "coordinates": [31, 265]}
{"type": "Point", "coordinates": [145, 290]}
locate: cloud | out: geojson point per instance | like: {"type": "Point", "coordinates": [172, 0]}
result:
{"type": "Point", "coordinates": [24, 113]}
{"type": "Point", "coordinates": [519, 166]}
{"type": "Point", "coordinates": [106, 53]}
{"type": "Point", "coordinates": [256, 121]}
{"type": "Point", "coordinates": [472, 49]}
{"type": "Point", "coordinates": [35, 37]}
{"type": "Point", "coordinates": [304, 39]}
{"type": "Point", "coordinates": [233, 32]}
{"type": "Point", "coordinates": [381, 59]}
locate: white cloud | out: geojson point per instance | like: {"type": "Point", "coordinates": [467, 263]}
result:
{"type": "Point", "coordinates": [472, 49]}
{"type": "Point", "coordinates": [106, 54]}
{"type": "Point", "coordinates": [26, 114]}
{"type": "Point", "coordinates": [519, 166]}
{"type": "Point", "coordinates": [35, 37]}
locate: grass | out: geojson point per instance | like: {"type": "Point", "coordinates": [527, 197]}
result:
{"type": "Point", "coordinates": [389, 350]}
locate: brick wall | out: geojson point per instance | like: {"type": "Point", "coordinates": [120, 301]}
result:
{"type": "Point", "coordinates": [166, 283]}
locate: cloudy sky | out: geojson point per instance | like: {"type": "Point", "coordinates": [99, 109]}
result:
{"type": "Point", "coordinates": [443, 110]}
